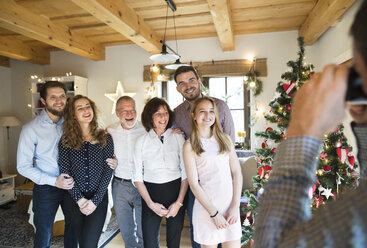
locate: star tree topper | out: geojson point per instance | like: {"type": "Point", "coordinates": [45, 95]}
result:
{"type": "Point", "coordinates": [115, 96]}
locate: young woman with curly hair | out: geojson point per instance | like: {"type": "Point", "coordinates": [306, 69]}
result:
{"type": "Point", "coordinates": [83, 152]}
{"type": "Point", "coordinates": [215, 178]}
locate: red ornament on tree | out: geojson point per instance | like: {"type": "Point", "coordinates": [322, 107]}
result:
{"type": "Point", "coordinates": [261, 171]}
{"type": "Point", "coordinates": [264, 144]}
{"type": "Point", "coordinates": [288, 107]}
{"type": "Point", "coordinates": [274, 150]}
{"type": "Point", "coordinates": [318, 200]}
{"type": "Point", "coordinates": [282, 135]}
{"type": "Point", "coordinates": [288, 88]}
{"type": "Point", "coordinates": [268, 129]}
{"type": "Point", "coordinates": [327, 168]}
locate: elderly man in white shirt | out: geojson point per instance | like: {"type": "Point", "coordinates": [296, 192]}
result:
{"type": "Point", "coordinates": [126, 198]}
{"type": "Point", "coordinates": [160, 175]}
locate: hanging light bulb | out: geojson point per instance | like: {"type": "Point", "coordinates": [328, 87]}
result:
{"type": "Point", "coordinates": [252, 84]}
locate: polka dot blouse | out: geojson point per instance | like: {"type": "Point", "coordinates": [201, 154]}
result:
{"type": "Point", "coordinates": [88, 167]}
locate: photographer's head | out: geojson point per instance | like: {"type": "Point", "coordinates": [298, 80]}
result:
{"type": "Point", "coordinates": [359, 33]}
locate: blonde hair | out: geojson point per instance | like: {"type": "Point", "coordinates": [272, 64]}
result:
{"type": "Point", "coordinates": [223, 140]}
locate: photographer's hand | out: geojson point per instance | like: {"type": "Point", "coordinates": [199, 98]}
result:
{"type": "Point", "coordinates": [319, 106]}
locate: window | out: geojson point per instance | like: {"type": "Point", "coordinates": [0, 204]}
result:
{"type": "Point", "coordinates": [229, 89]}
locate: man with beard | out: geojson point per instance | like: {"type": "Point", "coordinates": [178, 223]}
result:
{"type": "Point", "coordinates": [37, 159]}
{"type": "Point", "coordinates": [188, 84]}
{"type": "Point", "coordinates": [126, 198]}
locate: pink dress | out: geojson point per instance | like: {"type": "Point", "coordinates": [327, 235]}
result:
{"type": "Point", "coordinates": [215, 178]}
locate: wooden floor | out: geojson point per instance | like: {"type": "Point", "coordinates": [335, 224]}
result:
{"type": "Point", "coordinates": [117, 241]}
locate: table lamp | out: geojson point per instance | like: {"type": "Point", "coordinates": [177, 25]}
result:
{"type": "Point", "coordinates": [9, 121]}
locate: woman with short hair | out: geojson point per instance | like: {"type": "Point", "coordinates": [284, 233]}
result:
{"type": "Point", "coordinates": [160, 175]}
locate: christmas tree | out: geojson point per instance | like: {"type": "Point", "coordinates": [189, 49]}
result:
{"type": "Point", "coordinates": [336, 166]}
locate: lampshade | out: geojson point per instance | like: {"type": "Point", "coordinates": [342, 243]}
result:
{"type": "Point", "coordinates": [175, 65]}
{"type": "Point", "coordinates": [9, 121]}
{"type": "Point", "coordinates": [164, 57]}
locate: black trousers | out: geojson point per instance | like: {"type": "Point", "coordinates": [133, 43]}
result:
{"type": "Point", "coordinates": [164, 194]}
{"type": "Point", "coordinates": [87, 228]}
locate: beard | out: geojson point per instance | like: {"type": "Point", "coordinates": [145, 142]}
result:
{"type": "Point", "coordinates": [54, 111]}
{"type": "Point", "coordinates": [127, 125]}
{"type": "Point", "coordinates": [192, 96]}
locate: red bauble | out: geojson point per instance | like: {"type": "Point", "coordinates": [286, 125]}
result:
{"type": "Point", "coordinates": [274, 150]}
{"type": "Point", "coordinates": [282, 135]}
{"type": "Point", "coordinates": [264, 145]}
{"type": "Point", "coordinates": [268, 129]}
{"type": "Point", "coordinates": [261, 172]}
{"type": "Point", "coordinates": [327, 168]}
{"type": "Point", "coordinates": [278, 120]}
{"type": "Point", "coordinates": [288, 107]}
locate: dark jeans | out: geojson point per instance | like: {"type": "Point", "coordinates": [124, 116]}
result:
{"type": "Point", "coordinates": [190, 206]}
{"type": "Point", "coordinates": [88, 228]}
{"type": "Point", "coordinates": [165, 194]}
{"type": "Point", "coordinates": [46, 201]}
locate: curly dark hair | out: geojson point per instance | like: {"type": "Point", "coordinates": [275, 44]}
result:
{"type": "Point", "coordinates": [150, 108]}
{"type": "Point", "coordinates": [183, 69]}
{"type": "Point", "coordinates": [50, 84]}
{"type": "Point", "coordinates": [359, 30]}
{"type": "Point", "coordinates": [73, 137]}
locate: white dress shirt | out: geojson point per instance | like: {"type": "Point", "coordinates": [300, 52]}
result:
{"type": "Point", "coordinates": [157, 162]}
{"type": "Point", "coordinates": [124, 142]}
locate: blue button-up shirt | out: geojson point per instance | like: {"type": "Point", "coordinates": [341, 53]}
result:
{"type": "Point", "coordinates": [37, 157]}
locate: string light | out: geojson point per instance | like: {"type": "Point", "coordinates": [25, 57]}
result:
{"type": "Point", "coordinates": [159, 77]}
{"type": "Point", "coordinates": [155, 68]}
{"type": "Point", "coordinates": [252, 84]}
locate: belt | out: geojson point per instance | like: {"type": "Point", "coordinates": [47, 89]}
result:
{"type": "Point", "coordinates": [121, 179]}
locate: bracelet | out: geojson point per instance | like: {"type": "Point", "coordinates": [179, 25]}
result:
{"type": "Point", "coordinates": [212, 216]}
{"type": "Point", "coordinates": [179, 203]}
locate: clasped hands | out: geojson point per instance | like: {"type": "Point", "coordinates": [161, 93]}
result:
{"type": "Point", "coordinates": [161, 210]}
{"type": "Point", "coordinates": [87, 207]}
{"type": "Point", "coordinates": [228, 218]}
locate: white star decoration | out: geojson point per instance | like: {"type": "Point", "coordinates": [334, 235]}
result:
{"type": "Point", "coordinates": [327, 193]}
{"type": "Point", "coordinates": [115, 96]}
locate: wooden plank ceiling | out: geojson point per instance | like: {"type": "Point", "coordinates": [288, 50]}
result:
{"type": "Point", "coordinates": [30, 29]}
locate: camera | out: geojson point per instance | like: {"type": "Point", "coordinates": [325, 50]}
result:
{"type": "Point", "coordinates": [355, 93]}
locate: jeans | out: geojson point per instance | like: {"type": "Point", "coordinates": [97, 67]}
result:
{"type": "Point", "coordinates": [190, 207]}
{"type": "Point", "coordinates": [46, 201]}
{"type": "Point", "coordinates": [127, 204]}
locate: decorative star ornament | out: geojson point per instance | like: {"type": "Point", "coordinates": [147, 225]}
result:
{"type": "Point", "coordinates": [115, 96]}
{"type": "Point", "coordinates": [327, 193]}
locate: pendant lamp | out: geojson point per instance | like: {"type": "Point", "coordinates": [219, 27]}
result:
{"type": "Point", "coordinates": [164, 57]}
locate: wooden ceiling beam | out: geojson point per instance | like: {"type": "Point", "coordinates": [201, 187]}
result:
{"type": "Point", "coordinates": [16, 49]}
{"type": "Point", "coordinates": [124, 20]}
{"type": "Point", "coordinates": [324, 14]}
{"type": "Point", "coordinates": [20, 20]}
{"type": "Point", "coordinates": [4, 61]}
{"type": "Point", "coordinates": [221, 13]}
